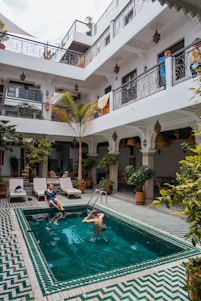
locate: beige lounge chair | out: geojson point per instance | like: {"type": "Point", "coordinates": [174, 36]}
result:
{"type": "Point", "coordinates": [16, 189]}
{"type": "Point", "coordinates": [67, 187]}
{"type": "Point", "coordinates": [39, 186]}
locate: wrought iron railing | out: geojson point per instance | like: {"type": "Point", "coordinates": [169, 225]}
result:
{"type": "Point", "coordinates": [181, 65]}
{"type": "Point", "coordinates": [42, 50]}
{"type": "Point", "coordinates": [142, 86]}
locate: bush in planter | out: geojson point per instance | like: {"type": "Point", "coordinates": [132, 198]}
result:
{"type": "Point", "coordinates": [138, 177]}
{"type": "Point", "coordinates": [37, 151]}
{"type": "Point", "coordinates": [187, 194]}
{"type": "Point", "coordinates": [80, 184]}
{"type": "Point", "coordinates": [3, 35]}
{"type": "Point", "coordinates": [14, 165]}
{"type": "Point", "coordinates": [87, 164]}
{"type": "Point", "coordinates": [6, 130]}
{"type": "Point", "coordinates": [106, 184]}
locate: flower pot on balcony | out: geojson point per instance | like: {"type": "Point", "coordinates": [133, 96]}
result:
{"type": "Point", "coordinates": [2, 46]}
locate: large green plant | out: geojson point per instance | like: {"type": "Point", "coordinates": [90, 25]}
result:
{"type": "Point", "coordinates": [107, 161]}
{"type": "Point", "coordinates": [187, 194]}
{"type": "Point", "coordinates": [87, 164]}
{"type": "Point", "coordinates": [8, 135]}
{"type": "Point", "coordinates": [37, 151]}
{"type": "Point", "coordinates": [3, 32]}
{"type": "Point", "coordinates": [78, 116]}
{"type": "Point", "coordinates": [138, 176]}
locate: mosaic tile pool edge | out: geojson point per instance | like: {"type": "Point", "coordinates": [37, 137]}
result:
{"type": "Point", "coordinates": [49, 284]}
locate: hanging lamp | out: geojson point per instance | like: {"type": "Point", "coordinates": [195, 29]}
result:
{"type": "Point", "coordinates": [161, 141]}
{"type": "Point", "coordinates": [191, 139]}
{"type": "Point", "coordinates": [122, 144]}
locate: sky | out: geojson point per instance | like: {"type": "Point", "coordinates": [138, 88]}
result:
{"type": "Point", "coordinates": [50, 20]}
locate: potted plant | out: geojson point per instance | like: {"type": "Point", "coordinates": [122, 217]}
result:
{"type": "Point", "coordinates": [14, 165]}
{"type": "Point", "coordinates": [80, 184]}
{"type": "Point", "coordinates": [37, 151]}
{"type": "Point", "coordinates": [187, 195]}
{"type": "Point", "coordinates": [137, 177]}
{"type": "Point", "coordinates": [87, 164]}
{"type": "Point", "coordinates": [6, 131]}
{"type": "Point", "coordinates": [48, 54]}
{"type": "Point", "coordinates": [3, 35]}
{"type": "Point", "coordinates": [106, 184]}
{"type": "Point", "coordinates": [107, 161]}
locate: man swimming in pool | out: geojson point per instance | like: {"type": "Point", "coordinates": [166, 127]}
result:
{"type": "Point", "coordinates": [51, 198]}
{"type": "Point", "coordinates": [97, 219]}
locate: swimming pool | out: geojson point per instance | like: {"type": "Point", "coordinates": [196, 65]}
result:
{"type": "Point", "coordinates": [126, 247]}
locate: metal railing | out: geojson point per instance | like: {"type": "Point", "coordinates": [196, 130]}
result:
{"type": "Point", "coordinates": [42, 50]}
{"type": "Point", "coordinates": [142, 86]}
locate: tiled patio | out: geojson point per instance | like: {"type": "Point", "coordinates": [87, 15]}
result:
{"type": "Point", "coordinates": [18, 280]}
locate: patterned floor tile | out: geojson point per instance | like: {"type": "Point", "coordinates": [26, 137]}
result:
{"type": "Point", "coordinates": [16, 281]}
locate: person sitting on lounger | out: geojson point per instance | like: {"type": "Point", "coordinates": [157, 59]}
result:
{"type": "Point", "coordinates": [51, 198]}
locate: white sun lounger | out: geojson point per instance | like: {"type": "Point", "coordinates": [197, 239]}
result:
{"type": "Point", "coordinates": [16, 189]}
{"type": "Point", "coordinates": [39, 186]}
{"type": "Point", "coordinates": [67, 187]}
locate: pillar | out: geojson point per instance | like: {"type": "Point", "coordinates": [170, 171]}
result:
{"type": "Point", "coordinates": [148, 160]}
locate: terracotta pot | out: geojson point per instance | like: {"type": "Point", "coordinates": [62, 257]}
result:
{"type": "Point", "coordinates": [3, 190]}
{"type": "Point", "coordinates": [139, 198]}
{"type": "Point", "coordinates": [15, 173]}
{"type": "Point", "coordinates": [2, 46]}
{"type": "Point", "coordinates": [89, 183]}
{"type": "Point", "coordinates": [108, 189]}
{"type": "Point", "coordinates": [31, 176]}
{"type": "Point", "coordinates": [190, 281]}
{"type": "Point", "coordinates": [81, 187]}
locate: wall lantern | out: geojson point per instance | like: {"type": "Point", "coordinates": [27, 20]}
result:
{"type": "Point", "coordinates": [114, 136]}
{"type": "Point", "coordinates": [191, 139]}
{"type": "Point", "coordinates": [76, 87]}
{"type": "Point", "coordinates": [157, 127]}
{"type": "Point", "coordinates": [116, 68]}
{"type": "Point", "coordinates": [22, 76]}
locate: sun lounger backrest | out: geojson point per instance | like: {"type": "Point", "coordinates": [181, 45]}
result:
{"type": "Point", "coordinates": [40, 183]}
{"type": "Point", "coordinates": [65, 183]}
{"type": "Point", "coordinates": [13, 183]}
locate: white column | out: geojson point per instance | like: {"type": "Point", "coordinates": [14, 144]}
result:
{"type": "Point", "coordinates": [148, 160]}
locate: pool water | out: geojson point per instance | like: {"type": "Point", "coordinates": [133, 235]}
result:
{"type": "Point", "coordinates": [72, 250]}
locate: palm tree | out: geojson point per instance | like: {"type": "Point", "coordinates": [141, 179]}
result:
{"type": "Point", "coordinates": [78, 116]}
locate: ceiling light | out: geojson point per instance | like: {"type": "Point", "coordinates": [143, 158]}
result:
{"type": "Point", "coordinates": [156, 37]}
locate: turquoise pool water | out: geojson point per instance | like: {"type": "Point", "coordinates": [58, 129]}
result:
{"type": "Point", "coordinates": [66, 254]}
{"type": "Point", "coordinates": [72, 250]}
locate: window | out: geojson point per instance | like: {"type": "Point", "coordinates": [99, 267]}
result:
{"type": "Point", "coordinates": [129, 17]}
{"type": "Point", "coordinates": [129, 87]}
{"type": "Point", "coordinates": [108, 89]}
{"type": "Point", "coordinates": [29, 94]}
{"type": "Point", "coordinates": [107, 40]}
{"type": "Point", "coordinates": [11, 91]}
